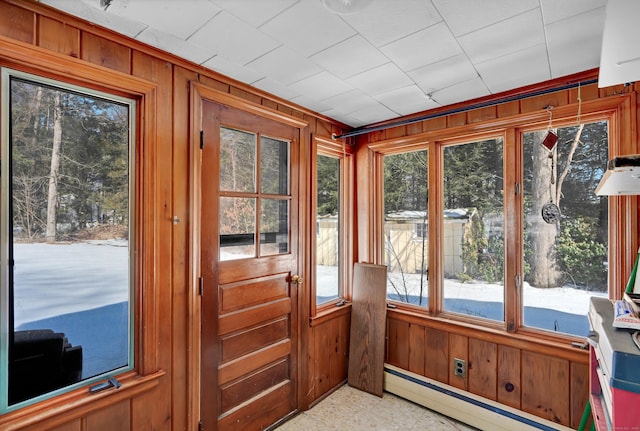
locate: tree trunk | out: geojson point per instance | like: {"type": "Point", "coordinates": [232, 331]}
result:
{"type": "Point", "coordinates": [52, 197]}
{"type": "Point", "coordinates": [544, 265]}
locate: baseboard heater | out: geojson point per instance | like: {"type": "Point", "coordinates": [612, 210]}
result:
{"type": "Point", "coordinates": [463, 406]}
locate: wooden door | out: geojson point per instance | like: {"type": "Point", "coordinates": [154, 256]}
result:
{"type": "Point", "coordinates": [249, 261]}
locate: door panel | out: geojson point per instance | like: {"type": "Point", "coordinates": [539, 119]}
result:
{"type": "Point", "coordinates": [248, 259]}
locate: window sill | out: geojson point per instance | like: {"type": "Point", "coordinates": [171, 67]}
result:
{"type": "Point", "coordinates": [78, 403]}
{"type": "Point", "coordinates": [330, 312]}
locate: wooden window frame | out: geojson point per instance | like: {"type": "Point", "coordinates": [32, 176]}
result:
{"type": "Point", "coordinates": [623, 224]}
{"type": "Point", "coordinates": [146, 373]}
{"type": "Point", "coordinates": [344, 153]}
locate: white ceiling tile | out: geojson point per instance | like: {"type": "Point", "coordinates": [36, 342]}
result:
{"type": "Point", "coordinates": [254, 12]}
{"type": "Point", "coordinates": [518, 69]}
{"type": "Point", "coordinates": [350, 57]}
{"type": "Point", "coordinates": [161, 14]}
{"type": "Point", "coordinates": [464, 91]}
{"type": "Point", "coordinates": [373, 113]}
{"type": "Point", "coordinates": [232, 69]}
{"type": "Point", "coordinates": [424, 47]}
{"type": "Point", "coordinates": [234, 39]}
{"type": "Point", "coordinates": [307, 27]}
{"type": "Point", "coordinates": [274, 87]}
{"type": "Point", "coordinates": [554, 10]}
{"type": "Point", "coordinates": [466, 16]}
{"type": "Point", "coordinates": [381, 79]}
{"type": "Point", "coordinates": [407, 100]}
{"type": "Point", "coordinates": [575, 43]}
{"type": "Point", "coordinates": [285, 65]}
{"type": "Point", "coordinates": [348, 102]}
{"type": "Point", "coordinates": [311, 103]}
{"type": "Point", "coordinates": [506, 37]}
{"type": "Point", "coordinates": [386, 21]}
{"type": "Point", "coordinates": [444, 73]}
{"type": "Point", "coordinates": [171, 43]}
{"type": "Point", "coordinates": [321, 86]}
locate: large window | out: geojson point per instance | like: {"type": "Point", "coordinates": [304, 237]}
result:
{"type": "Point", "coordinates": [565, 226]}
{"type": "Point", "coordinates": [332, 179]}
{"type": "Point", "coordinates": [66, 238]}
{"type": "Point", "coordinates": [472, 229]}
{"type": "Point", "coordinates": [406, 243]}
{"type": "Point", "coordinates": [521, 245]}
{"type": "Point", "coordinates": [328, 260]}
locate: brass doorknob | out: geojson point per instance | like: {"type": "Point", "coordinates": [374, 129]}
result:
{"type": "Point", "coordinates": [296, 279]}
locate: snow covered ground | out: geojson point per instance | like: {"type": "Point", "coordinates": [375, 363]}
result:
{"type": "Point", "coordinates": [55, 279]}
{"type": "Point", "coordinates": [561, 309]}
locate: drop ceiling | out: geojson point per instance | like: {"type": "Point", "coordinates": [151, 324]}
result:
{"type": "Point", "coordinates": [393, 58]}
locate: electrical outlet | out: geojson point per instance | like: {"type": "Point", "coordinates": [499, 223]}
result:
{"type": "Point", "coordinates": [459, 367]}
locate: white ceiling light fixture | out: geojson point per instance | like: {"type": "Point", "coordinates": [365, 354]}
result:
{"type": "Point", "coordinates": [345, 7]}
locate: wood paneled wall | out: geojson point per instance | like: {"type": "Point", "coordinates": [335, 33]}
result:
{"type": "Point", "coordinates": [542, 380]}
{"type": "Point", "coordinates": [170, 403]}
{"type": "Point", "coordinates": [424, 346]}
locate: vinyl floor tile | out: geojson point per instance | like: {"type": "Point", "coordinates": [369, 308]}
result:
{"type": "Point", "coordinates": [349, 409]}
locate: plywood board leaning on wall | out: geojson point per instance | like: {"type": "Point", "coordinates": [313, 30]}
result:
{"type": "Point", "coordinates": [368, 316]}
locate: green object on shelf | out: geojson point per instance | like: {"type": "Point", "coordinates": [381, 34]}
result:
{"type": "Point", "coordinates": [585, 417]}
{"type": "Point", "coordinates": [632, 277]}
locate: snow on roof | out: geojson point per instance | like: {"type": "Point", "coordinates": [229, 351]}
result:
{"type": "Point", "coordinates": [456, 213]}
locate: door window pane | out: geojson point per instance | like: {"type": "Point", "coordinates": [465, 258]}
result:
{"type": "Point", "coordinates": [565, 254]}
{"type": "Point", "coordinates": [237, 160]}
{"type": "Point", "coordinates": [274, 226]}
{"type": "Point", "coordinates": [328, 229]}
{"type": "Point", "coordinates": [66, 229]}
{"type": "Point", "coordinates": [473, 223]}
{"type": "Point", "coordinates": [405, 207]}
{"type": "Point", "coordinates": [237, 228]}
{"type": "Point", "coordinates": [274, 166]}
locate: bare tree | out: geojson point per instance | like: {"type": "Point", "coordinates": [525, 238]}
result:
{"type": "Point", "coordinates": [52, 197]}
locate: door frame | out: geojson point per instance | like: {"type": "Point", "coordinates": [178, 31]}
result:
{"type": "Point", "coordinates": [197, 93]}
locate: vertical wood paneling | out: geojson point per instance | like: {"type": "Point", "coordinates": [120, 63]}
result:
{"type": "Point", "coordinates": [116, 417]}
{"type": "Point", "coordinates": [482, 114]}
{"type": "Point", "coordinates": [459, 119]}
{"type": "Point", "coordinates": [160, 72]}
{"type": "Point", "coordinates": [181, 402]}
{"type": "Point", "coordinates": [17, 23]}
{"type": "Point", "coordinates": [508, 109]}
{"type": "Point", "coordinates": [396, 132]}
{"type": "Point", "coordinates": [416, 349]}
{"type": "Point", "coordinates": [483, 368]}
{"type": "Point", "coordinates": [308, 356]}
{"type": "Point", "coordinates": [398, 343]}
{"type": "Point", "coordinates": [437, 355]}
{"type": "Point", "coordinates": [458, 349]}
{"type": "Point", "coordinates": [509, 386]}
{"type": "Point", "coordinates": [414, 128]}
{"type": "Point", "coordinates": [579, 391]}
{"type": "Point", "coordinates": [437, 123]}
{"type": "Point", "coordinates": [103, 52]}
{"type": "Point", "coordinates": [59, 37]}
{"type": "Point", "coordinates": [545, 386]}
{"type": "Point", "coordinates": [322, 364]}
{"type": "Point", "coordinates": [538, 103]}
{"type": "Point", "coordinates": [339, 361]}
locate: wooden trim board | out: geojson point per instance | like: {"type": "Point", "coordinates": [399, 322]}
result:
{"type": "Point", "coordinates": [368, 318]}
